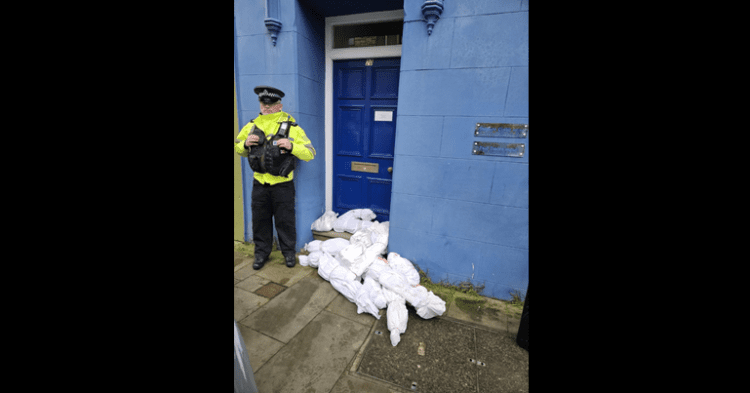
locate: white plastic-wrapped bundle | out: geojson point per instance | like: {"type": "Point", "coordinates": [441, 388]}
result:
{"type": "Point", "coordinates": [341, 273]}
{"type": "Point", "coordinates": [343, 281]}
{"type": "Point", "coordinates": [326, 264]}
{"type": "Point", "coordinates": [351, 252]}
{"type": "Point", "coordinates": [313, 259]}
{"type": "Point", "coordinates": [379, 233]}
{"type": "Point", "coordinates": [400, 277]}
{"type": "Point", "coordinates": [346, 223]}
{"type": "Point", "coordinates": [369, 235]}
{"type": "Point", "coordinates": [313, 246]}
{"type": "Point", "coordinates": [394, 281]}
{"type": "Point", "coordinates": [371, 254]}
{"type": "Point", "coordinates": [370, 298]}
{"type": "Point", "coordinates": [362, 237]}
{"type": "Point", "coordinates": [434, 307]}
{"type": "Point", "coordinates": [354, 220]}
{"type": "Point", "coordinates": [364, 302]}
{"type": "Point", "coordinates": [362, 250]}
{"type": "Point", "coordinates": [376, 293]}
{"type": "Point", "coordinates": [376, 267]}
{"type": "Point", "coordinates": [363, 214]}
{"type": "Point", "coordinates": [396, 315]}
{"type": "Point", "coordinates": [416, 295]}
{"type": "Point", "coordinates": [333, 246]}
{"type": "Point", "coordinates": [325, 222]}
{"type": "Point", "coordinates": [403, 266]}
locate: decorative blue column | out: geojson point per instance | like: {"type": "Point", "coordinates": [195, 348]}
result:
{"type": "Point", "coordinates": [272, 21]}
{"type": "Point", "coordinates": [432, 9]}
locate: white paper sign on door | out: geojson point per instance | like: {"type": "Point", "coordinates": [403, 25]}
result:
{"type": "Point", "coordinates": [383, 115]}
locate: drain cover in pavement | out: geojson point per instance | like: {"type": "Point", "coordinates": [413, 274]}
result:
{"type": "Point", "coordinates": [437, 355]}
{"type": "Point", "coordinates": [270, 290]}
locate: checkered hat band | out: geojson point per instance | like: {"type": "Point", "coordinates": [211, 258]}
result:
{"type": "Point", "coordinates": [265, 93]}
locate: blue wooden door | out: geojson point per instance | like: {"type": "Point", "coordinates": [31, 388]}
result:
{"type": "Point", "coordinates": [365, 96]}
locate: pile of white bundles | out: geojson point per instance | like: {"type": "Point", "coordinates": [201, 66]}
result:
{"type": "Point", "coordinates": [351, 221]}
{"type": "Point", "coordinates": [356, 269]}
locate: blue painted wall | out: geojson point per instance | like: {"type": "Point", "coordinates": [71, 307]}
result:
{"type": "Point", "coordinates": [463, 217]}
{"type": "Point", "coordinates": [296, 66]}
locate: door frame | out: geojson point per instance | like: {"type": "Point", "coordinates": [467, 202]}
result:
{"type": "Point", "coordinates": [348, 54]}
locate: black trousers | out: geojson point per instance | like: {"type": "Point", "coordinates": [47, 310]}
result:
{"type": "Point", "coordinates": [273, 202]}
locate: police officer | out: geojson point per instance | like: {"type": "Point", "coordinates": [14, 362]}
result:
{"type": "Point", "coordinates": [271, 142]}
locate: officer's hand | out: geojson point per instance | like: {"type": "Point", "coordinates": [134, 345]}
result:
{"type": "Point", "coordinates": [252, 140]}
{"type": "Point", "coordinates": [285, 144]}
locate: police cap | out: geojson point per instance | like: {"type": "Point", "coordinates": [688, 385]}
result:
{"type": "Point", "coordinates": [268, 94]}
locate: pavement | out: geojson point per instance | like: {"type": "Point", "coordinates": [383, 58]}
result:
{"type": "Point", "coordinates": [303, 336]}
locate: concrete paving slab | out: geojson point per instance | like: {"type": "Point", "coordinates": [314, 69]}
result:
{"type": "Point", "coordinates": [513, 315]}
{"type": "Point", "coordinates": [506, 365]}
{"type": "Point", "coordinates": [245, 303]}
{"type": "Point", "coordinates": [287, 313]}
{"type": "Point", "coordinates": [259, 347]}
{"type": "Point", "coordinates": [488, 317]}
{"type": "Point", "coordinates": [314, 359]}
{"type": "Point", "coordinates": [245, 272]}
{"type": "Point", "coordinates": [281, 274]}
{"type": "Point", "coordinates": [490, 313]}
{"type": "Point", "coordinates": [513, 325]}
{"type": "Point", "coordinates": [252, 283]}
{"type": "Point", "coordinates": [343, 307]}
{"type": "Point", "coordinates": [241, 260]}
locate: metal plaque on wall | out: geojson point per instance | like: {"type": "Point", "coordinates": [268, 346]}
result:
{"type": "Point", "coordinates": [501, 130]}
{"type": "Point", "coordinates": [498, 149]}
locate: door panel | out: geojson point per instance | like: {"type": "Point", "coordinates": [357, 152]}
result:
{"type": "Point", "coordinates": [380, 194]}
{"type": "Point", "coordinates": [351, 82]}
{"type": "Point", "coordinates": [350, 191]}
{"type": "Point", "coordinates": [383, 135]}
{"type": "Point", "coordinates": [382, 82]}
{"type": "Point", "coordinates": [364, 127]}
{"type": "Point", "coordinates": [349, 139]}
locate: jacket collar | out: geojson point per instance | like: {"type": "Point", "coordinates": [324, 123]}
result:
{"type": "Point", "coordinates": [275, 117]}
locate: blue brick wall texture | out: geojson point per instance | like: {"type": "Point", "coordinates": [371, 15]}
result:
{"type": "Point", "coordinates": [458, 216]}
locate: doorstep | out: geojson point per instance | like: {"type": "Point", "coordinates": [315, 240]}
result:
{"type": "Point", "coordinates": [327, 235]}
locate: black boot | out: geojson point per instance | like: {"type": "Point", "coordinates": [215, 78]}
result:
{"type": "Point", "coordinates": [259, 262]}
{"type": "Point", "coordinates": [290, 261]}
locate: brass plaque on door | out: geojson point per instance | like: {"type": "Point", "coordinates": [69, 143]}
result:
{"type": "Point", "coordinates": [365, 167]}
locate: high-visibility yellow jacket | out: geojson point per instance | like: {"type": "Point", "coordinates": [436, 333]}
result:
{"type": "Point", "coordinates": [302, 148]}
